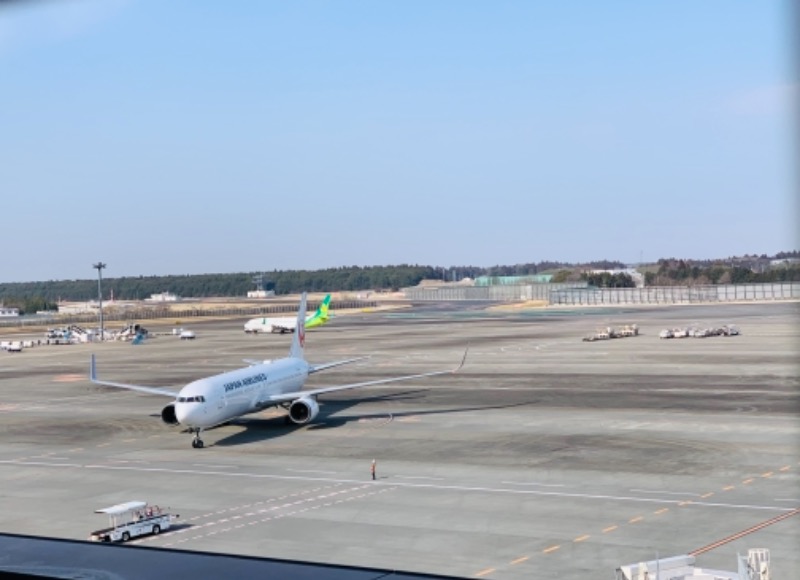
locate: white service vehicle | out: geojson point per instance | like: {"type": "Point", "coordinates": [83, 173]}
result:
{"type": "Point", "coordinates": [130, 520]}
{"type": "Point", "coordinates": [188, 335]}
{"type": "Point", "coordinates": [14, 346]}
{"type": "Point", "coordinates": [729, 330]}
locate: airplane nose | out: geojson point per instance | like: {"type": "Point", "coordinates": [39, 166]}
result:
{"type": "Point", "coordinates": [183, 413]}
{"type": "Point", "coordinates": [190, 414]}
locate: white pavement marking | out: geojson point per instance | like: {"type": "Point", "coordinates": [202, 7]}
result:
{"type": "Point", "coordinates": [417, 477]}
{"type": "Point", "coordinates": [312, 471]}
{"type": "Point", "coordinates": [533, 483]}
{"type": "Point", "coordinates": [266, 519]}
{"type": "Point", "coordinates": [663, 492]}
{"type": "Point", "coordinates": [463, 488]}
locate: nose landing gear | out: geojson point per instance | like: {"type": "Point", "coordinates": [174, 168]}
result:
{"type": "Point", "coordinates": [197, 443]}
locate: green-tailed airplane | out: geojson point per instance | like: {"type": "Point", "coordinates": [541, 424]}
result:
{"type": "Point", "coordinates": [288, 324]}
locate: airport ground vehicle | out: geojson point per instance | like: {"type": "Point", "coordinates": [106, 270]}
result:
{"type": "Point", "coordinates": [610, 332]}
{"type": "Point", "coordinates": [130, 520]}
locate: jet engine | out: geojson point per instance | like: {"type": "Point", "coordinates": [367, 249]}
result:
{"type": "Point", "coordinates": [168, 415]}
{"type": "Point", "coordinates": [302, 411]}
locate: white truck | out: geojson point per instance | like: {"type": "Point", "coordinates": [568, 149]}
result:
{"type": "Point", "coordinates": [130, 520]}
{"type": "Point", "coordinates": [11, 345]}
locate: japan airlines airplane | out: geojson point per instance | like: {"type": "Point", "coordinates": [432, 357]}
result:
{"type": "Point", "coordinates": [215, 400]}
{"type": "Point", "coordinates": [287, 323]}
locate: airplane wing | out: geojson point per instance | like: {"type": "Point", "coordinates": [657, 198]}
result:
{"type": "Point", "coordinates": [288, 397]}
{"type": "Point", "coordinates": [330, 365]}
{"type": "Point", "coordinates": [140, 388]}
{"type": "Point", "coordinates": [311, 368]}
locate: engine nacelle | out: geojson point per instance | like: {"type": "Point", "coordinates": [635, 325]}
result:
{"type": "Point", "coordinates": [168, 415]}
{"type": "Point", "coordinates": [303, 411]}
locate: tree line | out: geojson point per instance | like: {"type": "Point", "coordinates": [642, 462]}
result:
{"type": "Point", "coordinates": [353, 278]}
{"type": "Point", "coordinates": [672, 272]}
{"type": "Point", "coordinates": [34, 296]}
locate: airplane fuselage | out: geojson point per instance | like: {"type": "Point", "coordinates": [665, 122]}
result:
{"type": "Point", "coordinates": [281, 325]}
{"type": "Point", "coordinates": [270, 325]}
{"type": "Point", "coordinates": [214, 400]}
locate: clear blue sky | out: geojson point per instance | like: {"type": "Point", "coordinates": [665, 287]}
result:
{"type": "Point", "coordinates": [192, 137]}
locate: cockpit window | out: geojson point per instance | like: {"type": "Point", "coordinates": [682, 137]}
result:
{"type": "Point", "coordinates": [198, 399]}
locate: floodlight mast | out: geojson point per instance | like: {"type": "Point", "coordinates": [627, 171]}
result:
{"type": "Point", "coordinates": [99, 267]}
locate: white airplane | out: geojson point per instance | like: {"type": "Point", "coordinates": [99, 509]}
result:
{"type": "Point", "coordinates": [215, 400]}
{"type": "Point", "coordinates": [286, 324]}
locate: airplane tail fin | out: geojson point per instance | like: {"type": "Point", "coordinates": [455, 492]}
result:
{"type": "Point", "coordinates": [299, 336]}
{"type": "Point", "coordinates": [322, 311]}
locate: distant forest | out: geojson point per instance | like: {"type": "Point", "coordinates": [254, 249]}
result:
{"type": "Point", "coordinates": [34, 296]}
{"type": "Point", "coordinates": [744, 270]}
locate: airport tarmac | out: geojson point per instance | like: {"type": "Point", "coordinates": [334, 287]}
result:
{"type": "Point", "coordinates": [544, 457]}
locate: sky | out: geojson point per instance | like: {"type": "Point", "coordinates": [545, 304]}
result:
{"type": "Point", "coordinates": [193, 137]}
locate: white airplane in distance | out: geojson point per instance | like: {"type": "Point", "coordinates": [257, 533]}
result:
{"type": "Point", "coordinates": [286, 324]}
{"type": "Point", "coordinates": [215, 400]}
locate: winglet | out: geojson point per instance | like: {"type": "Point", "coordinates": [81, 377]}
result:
{"type": "Point", "coordinates": [299, 336]}
{"type": "Point", "coordinates": [92, 369]}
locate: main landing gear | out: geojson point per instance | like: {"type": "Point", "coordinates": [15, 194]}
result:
{"type": "Point", "coordinates": [197, 443]}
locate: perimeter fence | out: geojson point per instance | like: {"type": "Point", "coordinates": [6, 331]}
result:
{"type": "Point", "coordinates": [678, 294]}
{"type": "Point", "coordinates": [500, 293]}
{"type": "Point", "coordinates": [572, 294]}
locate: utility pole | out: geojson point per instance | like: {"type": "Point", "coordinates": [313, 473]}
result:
{"type": "Point", "coordinates": [99, 267]}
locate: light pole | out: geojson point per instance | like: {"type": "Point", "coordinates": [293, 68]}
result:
{"type": "Point", "coordinates": [99, 267]}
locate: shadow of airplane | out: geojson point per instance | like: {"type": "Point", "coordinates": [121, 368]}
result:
{"type": "Point", "coordinates": [261, 429]}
